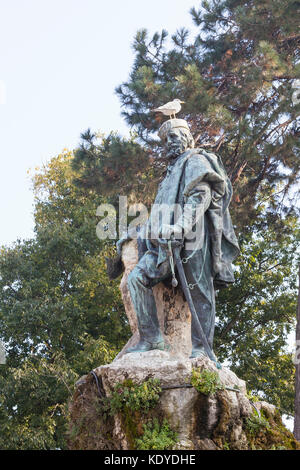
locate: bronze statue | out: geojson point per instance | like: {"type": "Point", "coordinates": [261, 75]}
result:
{"type": "Point", "coordinates": [201, 231]}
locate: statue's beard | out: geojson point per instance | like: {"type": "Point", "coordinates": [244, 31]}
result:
{"type": "Point", "coordinates": [175, 150]}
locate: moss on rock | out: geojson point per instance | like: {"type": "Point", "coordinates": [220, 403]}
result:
{"type": "Point", "coordinates": [88, 427]}
{"type": "Point", "coordinates": [272, 435]}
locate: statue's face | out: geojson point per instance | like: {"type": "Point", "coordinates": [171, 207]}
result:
{"type": "Point", "coordinates": [176, 143]}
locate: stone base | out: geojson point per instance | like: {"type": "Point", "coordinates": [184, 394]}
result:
{"type": "Point", "coordinates": [201, 422]}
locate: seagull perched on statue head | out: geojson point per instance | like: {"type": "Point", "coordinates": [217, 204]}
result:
{"type": "Point", "coordinates": [169, 109]}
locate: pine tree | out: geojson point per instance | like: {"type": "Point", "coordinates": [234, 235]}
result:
{"type": "Point", "coordinates": [114, 166]}
{"type": "Point", "coordinates": [236, 76]}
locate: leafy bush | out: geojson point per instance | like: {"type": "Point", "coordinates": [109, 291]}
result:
{"type": "Point", "coordinates": [132, 396]}
{"type": "Point", "coordinates": [206, 381]}
{"type": "Point", "coordinates": [252, 397]}
{"type": "Point", "coordinates": [156, 436]}
{"type": "Point", "coordinates": [256, 423]}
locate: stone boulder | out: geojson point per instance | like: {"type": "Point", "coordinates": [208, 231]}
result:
{"type": "Point", "coordinates": [225, 419]}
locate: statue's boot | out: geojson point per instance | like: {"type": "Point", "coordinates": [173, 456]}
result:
{"type": "Point", "coordinates": [198, 351]}
{"type": "Point", "coordinates": [150, 336]}
{"type": "Point", "coordinates": [144, 345]}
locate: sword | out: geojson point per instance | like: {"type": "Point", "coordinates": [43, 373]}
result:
{"type": "Point", "coordinates": [176, 250]}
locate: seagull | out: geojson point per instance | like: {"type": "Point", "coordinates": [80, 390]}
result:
{"type": "Point", "coordinates": [169, 109]}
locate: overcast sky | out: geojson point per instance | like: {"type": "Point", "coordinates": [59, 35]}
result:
{"type": "Point", "coordinates": [60, 61]}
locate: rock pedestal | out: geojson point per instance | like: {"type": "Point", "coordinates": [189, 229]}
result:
{"type": "Point", "coordinates": [182, 407]}
{"type": "Point", "coordinates": [219, 421]}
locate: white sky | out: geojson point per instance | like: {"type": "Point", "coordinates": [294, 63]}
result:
{"type": "Point", "coordinates": [60, 61]}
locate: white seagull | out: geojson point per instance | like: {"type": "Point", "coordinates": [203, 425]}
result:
{"type": "Point", "coordinates": [169, 109]}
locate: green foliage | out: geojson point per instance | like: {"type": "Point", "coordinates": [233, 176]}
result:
{"type": "Point", "coordinates": [133, 397]}
{"type": "Point", "coordinates": [54, 288]}
{"type": "Point", "coordinates": [33, 400]}
{"type": "Point", "coordinates": [34, 396]}
{"type": "Point", "coordinates": [257, 313]}
{"type": "Point", "coordinates": [206, 381]}
{"type": "Point", "coordinates": [157, 436]}
{"type": "Point", "coordinates": [113, 166]}
{"type": "Point", "coordinates": [251, 397]}
{"type": "Point", "coordinates": [274, 447]}
{"type": "Point", "coordinates": [60, 316]}
{"type": "Point", "coordinates": [267, 432]}
{"type": "Point", "coordinates": [256, 423]}
{"type": "Point", "coordinates": [94, 352]}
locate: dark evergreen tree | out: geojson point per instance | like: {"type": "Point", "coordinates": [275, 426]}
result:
{"type": "Point", "coordinates": [236, 76]}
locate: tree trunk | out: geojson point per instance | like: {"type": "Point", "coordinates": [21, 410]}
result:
{"type": "Point", "coordinates": [297, 376]}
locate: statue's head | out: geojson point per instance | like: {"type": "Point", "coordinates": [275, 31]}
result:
{"type": "Point", "coordinates": [176, 136]}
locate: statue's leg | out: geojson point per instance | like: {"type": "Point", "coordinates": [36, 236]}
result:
{"type": "Point", "coordinates": [206, 315]}
{"type": "Point", "coordinates": [140, 282]}
{"type": "Point", "coordinates": [199, 274]}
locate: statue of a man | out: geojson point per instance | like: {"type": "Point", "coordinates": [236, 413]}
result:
{"type": "Point", "coordinates": [197, 183]}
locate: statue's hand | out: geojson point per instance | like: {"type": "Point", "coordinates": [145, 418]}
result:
{"type": "Point", "coordinates": [132, 233]}
{"type": "Point", "coordinates": [167, 231]}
